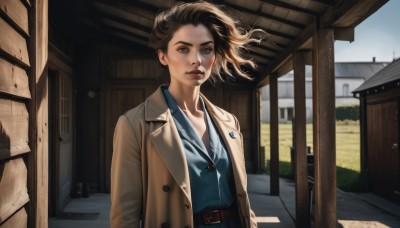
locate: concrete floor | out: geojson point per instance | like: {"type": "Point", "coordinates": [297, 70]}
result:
{"type": "Point", "coordinates": [353, 210]}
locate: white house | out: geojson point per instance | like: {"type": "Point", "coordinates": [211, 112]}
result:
{"type": "Point", "coordinates": [349, 75]}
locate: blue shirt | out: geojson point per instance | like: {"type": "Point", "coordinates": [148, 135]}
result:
{"type": "Point", "coordinates": [211, 177]}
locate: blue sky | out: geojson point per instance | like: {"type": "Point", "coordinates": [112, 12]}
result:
{"type": "Point", "coordinates": [377, 36]}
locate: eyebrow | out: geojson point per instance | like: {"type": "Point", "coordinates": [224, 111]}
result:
{"type": "Point", "coordinates": [189, 44]}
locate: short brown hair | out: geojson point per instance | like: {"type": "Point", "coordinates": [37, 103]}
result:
{"type": "Point", "coordinates": [229, 38]}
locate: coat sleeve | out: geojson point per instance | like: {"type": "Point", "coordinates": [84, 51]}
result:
{"type": "Point", "coordinates": [253, 222]}
{"type": "Point", "coordinates": [126, 180]}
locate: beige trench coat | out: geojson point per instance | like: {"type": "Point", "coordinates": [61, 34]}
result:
{"type": "Point", "coordinates": [149, 174]}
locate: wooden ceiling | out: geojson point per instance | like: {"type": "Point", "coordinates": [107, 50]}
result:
{"type": "Point", "coordinates": [289, 24]}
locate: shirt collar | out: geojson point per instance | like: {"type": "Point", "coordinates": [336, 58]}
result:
{"type": "Point", "coordinates": [156, 107]}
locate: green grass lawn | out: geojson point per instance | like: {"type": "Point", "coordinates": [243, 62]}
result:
{"type": "Point", "coordinates": [347, 151]}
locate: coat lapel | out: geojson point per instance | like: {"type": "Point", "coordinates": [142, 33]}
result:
{"type": "Point", "coordinates": [227, 126]}
{"type": "Point", "coordinates": [166, 140]}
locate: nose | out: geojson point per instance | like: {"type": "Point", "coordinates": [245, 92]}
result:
{"type": "Point", "coordinates": [195, 58]}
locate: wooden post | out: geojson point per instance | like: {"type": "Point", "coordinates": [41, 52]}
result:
{"type": "Point", "coordinates": [257, 125]}
{"type": "Point", "coordinates": [38, 158]}
{"type": "Point", "coordinates": [300, 156]}
{"type": "Point", "coordinates": [324, 128]}
{"type": "Point", "coordinates": [363, 137]}
{"type": "Point", "coordinates": [274, 135]}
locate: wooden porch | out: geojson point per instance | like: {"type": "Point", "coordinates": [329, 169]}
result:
{"type": "Point", "coordinates": [69, 68]}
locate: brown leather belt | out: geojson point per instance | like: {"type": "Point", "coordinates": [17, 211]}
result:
{"type": "Point", "coordinates": [213, 217]}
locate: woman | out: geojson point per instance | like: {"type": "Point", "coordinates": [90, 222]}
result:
{"type": "Point", "coordinates": [178, 159]}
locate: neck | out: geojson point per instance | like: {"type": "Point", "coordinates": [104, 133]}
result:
{"type": "Point", "coordinates": [187, 98]}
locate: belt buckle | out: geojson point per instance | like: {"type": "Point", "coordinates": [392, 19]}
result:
{"type": "Point", "coordinates": [212, 217]}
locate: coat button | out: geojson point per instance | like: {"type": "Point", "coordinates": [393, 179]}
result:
{"type": "Point", "coordinates": [164, 225]}
{"type": "Point", "coordinates": [211, 167]}
{"type": "Point", "coordinates": [233, 134]}
{"type": "Point", "coordinates": [165, 188]}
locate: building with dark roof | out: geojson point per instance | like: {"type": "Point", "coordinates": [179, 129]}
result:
{"type": "Point", "coordinates": [380, 130]}
{"type": "Point", "coordinates": [388, 76]}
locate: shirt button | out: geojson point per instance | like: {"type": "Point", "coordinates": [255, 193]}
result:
{"type": "Point", "coordinates": [211, 167]}
{"type": "Point", "coordinates": [165, 188]}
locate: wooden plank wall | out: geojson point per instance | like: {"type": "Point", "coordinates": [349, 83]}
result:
{"type": "Point", "coordinates": [15, 97]}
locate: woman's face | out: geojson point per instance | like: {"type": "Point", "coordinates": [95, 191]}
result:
{"type": "Point", "coordinates": [190, 55]}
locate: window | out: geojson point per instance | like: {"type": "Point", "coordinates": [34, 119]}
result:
{"type": "Point", "coordinates": [65, 105]}
{"type": "Point", "coordinates": [282, 113]}
{"type": "Point", "coordinates": [290, 114]}
{"type": "Point", "coordinates": [346, 91]}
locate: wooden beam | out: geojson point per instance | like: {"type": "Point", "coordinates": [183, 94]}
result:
{"type": "Point", "coordinates": [38, 133]}
{"type": "Point", "coordinates": [343, 15]}
{"type": "Point", "coordinates": [259, 60]}
{"type": "Point", "coordinates": [256, 25]}
{"type": "Point", "coordinates": [283, 56]}
{"type": "Point", "coordinates": [255, 123]}
{"type": "Point", "coordinates": [324, 128]}
{"type": "Point", "coordinates": [267, 16]}
{"type": "Point", "coordinates": [264, 79]}
{"type": "Point", "coordinates": [257, 100]}
{"type": "Point", "coordinates": [275, 44]}
{"type": "Point", "coordinates": [326, 2]}
{"type": "Point", "coordinates": [260, 49]}
{"type": "Point", "coordinates": [255, 53]}
{"type": "Point", "coordinates": [291, 7]}
{"type": "Point", "coordinates": [126, 28]}
{"type": "Point", "coordinates": [349, 13]}
{"type": "Point", "coordinates": [145, 6]}
{"type": "Point", "coordinates": [125, 15]}
{"type": "Point", "coordinates": [300, 141]}
{"type": "Point", "coordinates": [345, 34]}
{"type": "Point", "coordinates": [125, 37]}
{"type": "Point", "coordinates": [126, 22]}
{"type": "Point", "coordinates": [114, 30]}
{"type": "Point", "coordinates": [274, 135]}
{"type": "Point", "coordinates": [276, 33]}
{"type": "Point", "coordinates": [271, 36]}
{"type": "Point", "coordinates": [133, 7]}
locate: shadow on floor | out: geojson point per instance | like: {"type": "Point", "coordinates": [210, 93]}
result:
{"type": "Point", "coordinates": [353, 210]}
